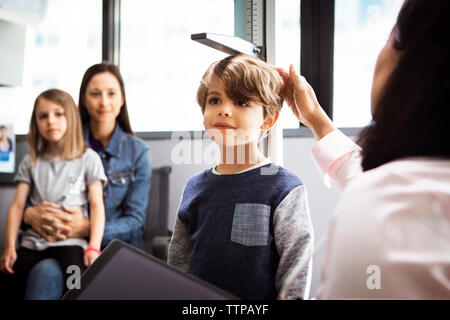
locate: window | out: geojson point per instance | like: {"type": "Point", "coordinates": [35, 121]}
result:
{"type": "Point", "coordinates": [287, 47]}
{"type": "Point", "coordinates": [161, 65]}
{"type": "Point", "coordinates": [362, 28]}
{"type": "Point", "coordinates": [58, 50]}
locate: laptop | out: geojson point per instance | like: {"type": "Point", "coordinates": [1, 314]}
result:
{"type": "Point", "coordinates": [123, 272]}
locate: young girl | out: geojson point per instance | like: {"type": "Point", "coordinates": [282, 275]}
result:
{"type": "Point", "coordinates": [59, 169]}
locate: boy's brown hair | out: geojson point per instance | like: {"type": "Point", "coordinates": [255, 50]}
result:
{"type": "Point", "coordinates": [74, 146]}
{"type": "Point", "coordinates": [246, 78]}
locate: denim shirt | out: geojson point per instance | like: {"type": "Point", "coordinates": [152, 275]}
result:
{"type": "Point", "coordinates": [127, 164]}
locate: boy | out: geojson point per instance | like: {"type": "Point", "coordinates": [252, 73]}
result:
{"type": "Point", "coordinates": [244, 224]}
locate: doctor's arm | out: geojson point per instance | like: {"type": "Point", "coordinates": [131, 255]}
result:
{"type": "Point", "coordinates": [337, 157]}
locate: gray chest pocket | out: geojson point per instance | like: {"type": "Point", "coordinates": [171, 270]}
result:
{"type": "Point", "coordinates": [251, 224]}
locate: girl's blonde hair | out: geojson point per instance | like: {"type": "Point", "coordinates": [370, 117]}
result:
{"type": "Point", "coordinates": [74, 146]}
{"type": "Point", "coordinates": [246, 78]}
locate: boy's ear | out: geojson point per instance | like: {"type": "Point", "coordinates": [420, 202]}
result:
{"type": "Point", "coordinates": [270, 121]}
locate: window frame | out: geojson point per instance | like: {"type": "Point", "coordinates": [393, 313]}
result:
{"type": "Point", "coordinates": [317, 49]}
{"type": "Point", "coordinates": [111, 31]}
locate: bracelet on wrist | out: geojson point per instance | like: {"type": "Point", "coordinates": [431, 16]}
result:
{"type": "Point", "coordinates": [92, 249]}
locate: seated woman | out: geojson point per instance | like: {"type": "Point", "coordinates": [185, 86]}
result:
{"type": "Point", "coordinates": [127, 163]}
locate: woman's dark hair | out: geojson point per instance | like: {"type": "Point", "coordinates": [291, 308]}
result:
{"type": "Point", "coordinates": [412, 116]}
{"type": "Point", "coordinates": [122, 118]}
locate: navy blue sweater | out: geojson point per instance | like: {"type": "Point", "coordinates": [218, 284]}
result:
{"type": "Point", "coordinates": [230, 227]}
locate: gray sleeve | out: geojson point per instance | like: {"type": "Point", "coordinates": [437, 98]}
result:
{"type": "Point", "coordinates": [294, 238]}
{"type": "Point", "coordinates": [23, 171]}
{"type": "Point", "coordinates": [94, 167]}
{"type": "Point", "coordinates": [180, 247]}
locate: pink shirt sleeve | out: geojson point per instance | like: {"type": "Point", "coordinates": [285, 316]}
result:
{"type": "Point", "coordinates": [338, 159]}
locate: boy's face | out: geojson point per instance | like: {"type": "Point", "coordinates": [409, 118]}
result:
{"type": "Point", "coordinates": [230, 123]}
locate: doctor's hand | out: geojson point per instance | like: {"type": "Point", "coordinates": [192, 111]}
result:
{"type": "Point", "coordinates": [302, 100]}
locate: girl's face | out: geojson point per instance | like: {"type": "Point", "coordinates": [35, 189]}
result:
{"type": "Point", "coordinates": [103, 98]}
{"type": "Point", "coordinates": [230, 123]}
{"type": "Point", "coordinates": [51, 120]}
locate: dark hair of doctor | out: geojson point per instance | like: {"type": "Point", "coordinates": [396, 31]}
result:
{"type": "Point", "coordinates": [411, 116]}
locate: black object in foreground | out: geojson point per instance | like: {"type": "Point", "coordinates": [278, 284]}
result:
{"type": "Point", "coordinates": [123, 272]}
